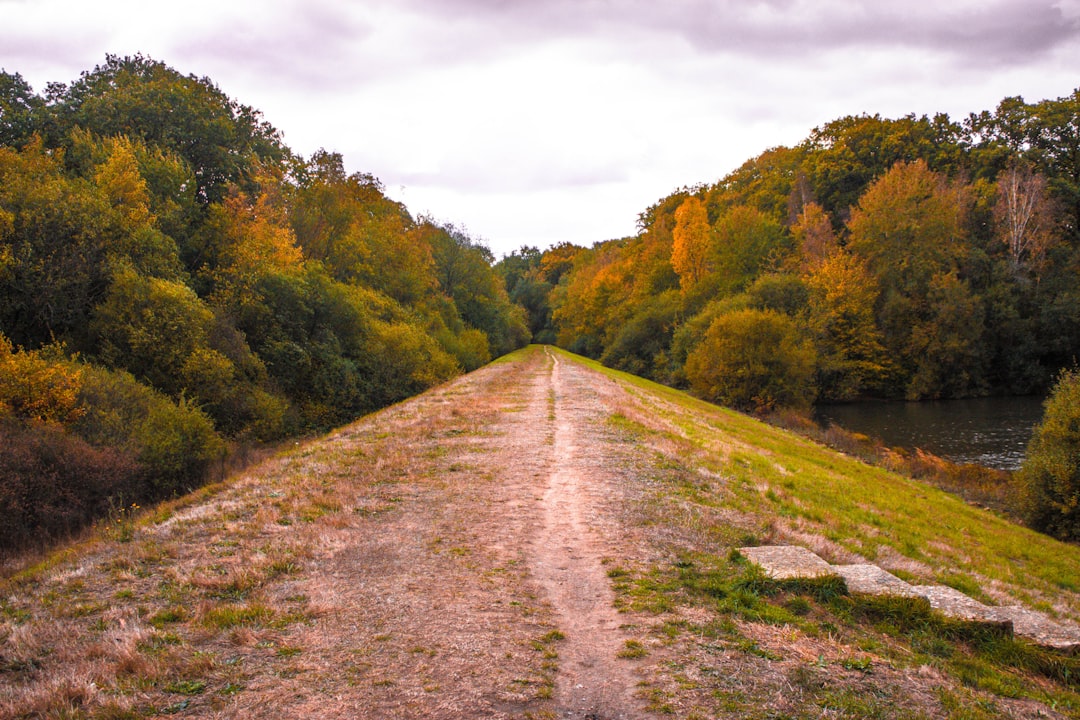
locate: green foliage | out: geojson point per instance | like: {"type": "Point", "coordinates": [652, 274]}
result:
{"type": "Point", "coordinates": [19, 110]}
{"type": "Point", "coordinates": [1050, 476]}
{"type": "Point", "coordinates": [463, 270]}
{"type": "Point", "coordinates": [214, 285]}
{"type": "Point", "coordinates": [641, 343]}
{"type": "Point", "coordinates": [753, 360]}
{"type": "Point", "coordinates": [151, 327]}
{"type": "Point", "coordinates": [145, 99]}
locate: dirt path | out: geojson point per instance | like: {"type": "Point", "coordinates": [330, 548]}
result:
{"type": "Point", "coordinates": [440, 559]}
{"type": "Point", "coordinates": [566, 558]}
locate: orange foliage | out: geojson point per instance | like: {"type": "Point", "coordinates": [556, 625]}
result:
{"type": "Point", "coordinates": [813, 233]}
{"type": "Point", "coordinates": [690, 251]}
{"type": "Point", "coordinates": [34, 387]}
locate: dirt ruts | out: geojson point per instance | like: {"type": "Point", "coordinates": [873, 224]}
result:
{"type": "Point", "coordinates": [566, 559]}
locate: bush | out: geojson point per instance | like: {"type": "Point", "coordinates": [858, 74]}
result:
{"type": "Point", "coordinates": [53, 483]}
{"type": "Point", "coordinates": [37, 385]}
{"type": "Point", "coordinates": [175, 442]}
{"type": "Point", "coordinates": [753, 360]}
{"type": "Point", "coordinates": [1050, 476]}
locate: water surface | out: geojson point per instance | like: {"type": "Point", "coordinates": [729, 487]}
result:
{"type": "Point", "coordinates": [986, 431]}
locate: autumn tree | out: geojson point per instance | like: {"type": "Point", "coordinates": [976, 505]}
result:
{"type": "Point", "coordinates": [753, 360]}
{"type": "Point", "coordinates": [813, 233]}
{"type": "Point", "coordinates": [1023, 216]}
{"type": "Point", "coordinates": [55, 232]}
{"type": "Point", "coordinates": [909, 229]}
{"type": "Point", "coordinates": [150, 327]}
{"type": "Point", "coordinates": [691, 254]}
{"type": "Point", "coordinates": [844, 157]}
{"type": "Point", "coordinates": [908, 226]}
{"type": "Point", "coordinates": [851, 357]}
{"type": "Point", "coordinates": [346, 222]}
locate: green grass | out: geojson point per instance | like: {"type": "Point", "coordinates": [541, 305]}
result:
{"type": "Point", "coordinates": [708, 458]}
{"type": "Point", "coordinates": [632, 649]}
{"type": "Point", "coordinates": [862, 508]}
{"type": "Point", "coordinates": [230, 616]}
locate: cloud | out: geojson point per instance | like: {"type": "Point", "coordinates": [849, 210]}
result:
{"type": "Point", "coordinates": [305, 45]}
{"type": "Point", "coordinates": [990, 32]}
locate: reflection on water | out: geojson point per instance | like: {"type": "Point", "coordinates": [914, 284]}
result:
{"type": "Point", "coordinates": [986, 431]}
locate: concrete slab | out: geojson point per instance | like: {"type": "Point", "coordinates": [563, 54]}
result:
{"type": "Point", "coordinates": [955, 604]}
{"type": "Point", "coordinates": [872, 580]}
{"type": "Point", "coordinates": [788, 562]}
{"type": "Point", "coordinates": [1041, 629]}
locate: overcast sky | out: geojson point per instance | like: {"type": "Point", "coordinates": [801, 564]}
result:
{"type": "Point", "coordinates": [538, 121]}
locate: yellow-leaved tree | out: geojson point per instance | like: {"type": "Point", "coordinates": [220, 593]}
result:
{"type": "Point", "coordinates": [690, 252]}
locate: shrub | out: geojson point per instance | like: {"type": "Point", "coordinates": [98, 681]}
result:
{"type": "Point", "coordinates": [1050, 476]}
{"type": "Point", "coordinates": [37, 385]}
{"type": "Point", "coordinates": [52, 483]}
{"type": "Point", "coordinates": [175, 442]}
{"type": "Point", "coordinates": [753, 360]}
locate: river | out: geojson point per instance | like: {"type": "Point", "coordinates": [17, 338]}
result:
{"type": "Point", "coordinates": [986, 431]}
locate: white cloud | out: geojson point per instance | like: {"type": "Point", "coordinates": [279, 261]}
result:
{"type": "Point", "coordinates": [538, 121]}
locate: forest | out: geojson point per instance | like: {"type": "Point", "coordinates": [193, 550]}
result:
{"type": "Point", "coordinates": [176, 283]}
{"type": "Point", "coordinates": [914, 258]}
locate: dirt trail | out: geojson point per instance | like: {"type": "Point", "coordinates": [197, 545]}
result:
{"type": "Point", "coordinates": [566, 558]}
{"type": "Point", "coordinates": [439, 559]}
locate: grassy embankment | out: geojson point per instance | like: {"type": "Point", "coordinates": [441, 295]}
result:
{"type": "Point", "coordinates": [768, 485]}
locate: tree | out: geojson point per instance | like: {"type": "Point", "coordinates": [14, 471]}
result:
{"type": "Point", "coordinates": [463, 268]}
{"type": "Point", "coordinates": [691, 251]}
{"type": "Point", "coordinates": [851, 357]}
{"type": "Point", "coordinates": [136, 96]}
{"type": "Point", "coordinates": [813, 234]}
{"type": "Point", "coordinates": [1050, 476]}
{"type": "Point", "coordinates": [151, 327]}
{"type": "Point", "coordinates": [753, 360]}
{"type": "Point", "coordinates": [746, 242]}
{"type": "Point", "coordinates": [640, 345]}
{"type": "Point", "coordinates": [946, 346]}
{"type": "Point", "coordinates": [19, 110]}
{"type": "Point", "coordinates": [55, 232]}
{"type": "Point", "coordinates": [363, 237]}
{"type": "Point", "coordinates": [845, 156]}
{"type": "Point", "coordinates": [909, 229]}
{"type": "Point", "coordinates": [1023, 215]}
{"type": "Point", "coordinates": [908, 226]}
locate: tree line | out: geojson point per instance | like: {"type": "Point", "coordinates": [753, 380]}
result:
{"type": "Point", "coordinates": [175, 280]}
{"type": "Point", "coordinates": [911, 258]}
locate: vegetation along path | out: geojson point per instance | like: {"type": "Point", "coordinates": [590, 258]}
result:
{"type": "Point", "coordinates": [538, 539]}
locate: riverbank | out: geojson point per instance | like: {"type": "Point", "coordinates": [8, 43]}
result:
{"type": "Point", "coordinates": [985, 487]}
